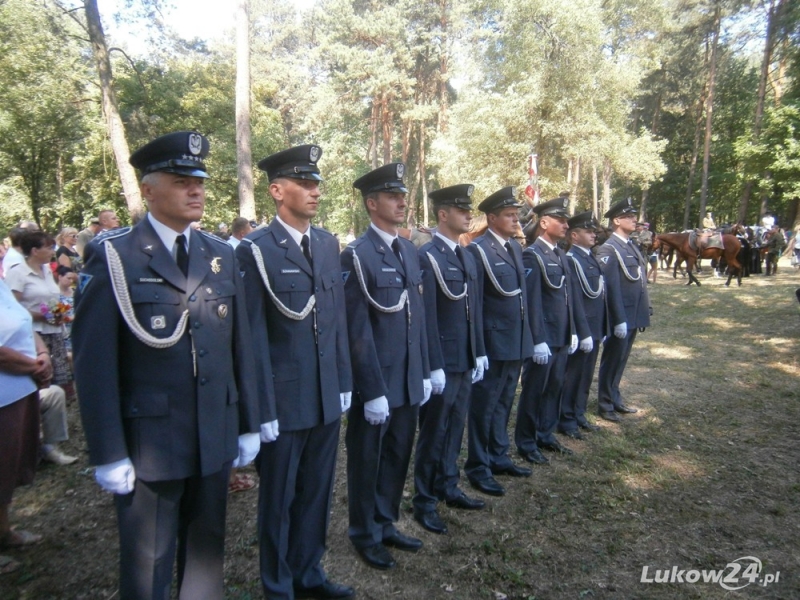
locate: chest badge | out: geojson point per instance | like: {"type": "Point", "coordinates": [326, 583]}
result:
{"type": "Point", "coordinates": [216, 267]}
{"type": "Point", "coordinates": [222, 311]}
{"type": "Point", "coordinates": [158, 322]}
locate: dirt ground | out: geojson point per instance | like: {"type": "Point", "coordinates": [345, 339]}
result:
{"type": "Point", "coordinates": [706, 473]}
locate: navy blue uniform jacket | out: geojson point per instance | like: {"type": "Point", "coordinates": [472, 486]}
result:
{"type": "Point", "coordinates": [289, 352]}
{"type": "Point", "coordinates": [628, 301]}
{"type": "Point", "coordinates": [593, 309]}
{"type": "Point", "coordinates": [146, 403]}
{"type": "Point", "coordinates": [454, 339]}
{"type": "Point", "coordinates": [389, 351]}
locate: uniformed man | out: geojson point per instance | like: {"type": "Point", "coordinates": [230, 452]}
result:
{"type": "Point", "coordinates": [453, 315]}
{"type": "Point", "coordinates": [507, 337]}
{"type": "Point", "coordinates": [624, 270]}
{"type": "Point", "coordinates": [391, 373]}
{"type": "Point", "coordinates": [295, 303]}
{"type": "Point", "coordinates": [552, 323]}
{"type": "Point", "coordinates": [163, 359]}
{"type": "Point", "coordinates": [590, 303]}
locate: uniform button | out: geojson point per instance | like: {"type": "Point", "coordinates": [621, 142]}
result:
{"type": "Point", "coordinates": [202, 352]}
{"type": "Point", "coordinates": [203, 381]}
{"type": "Point", "coordinates": [155, 296]}
{"type": "Point", "coordinates": [322, 353]}
{"type": "Point", "coordinates": [319, 331]}
{"type": "Point", "coordinates": [197, 324]}
{"type": "Point", "coordinates": [292, 285]}
{"type": "Point", "coordinates": [316, 288]}
{"type": "Point", "coordinates": [218, 292]}
{"type": "Point", "coordinates": [134, 410]}
{"type": "Point", "coordinates": [192, 298]}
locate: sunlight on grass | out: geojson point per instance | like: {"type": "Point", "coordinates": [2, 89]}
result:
{"type": "Point", "coordinates": [724, 324]}
{"type": "Point", "coordinates": [793, 369]}
{"type": "Point", "coordinates": [674, 352]}
{"type": "Point", "coordinates": [667, 468]}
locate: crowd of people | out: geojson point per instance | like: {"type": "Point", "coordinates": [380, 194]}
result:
{"type": "Point", "coordinates": [192, 356]}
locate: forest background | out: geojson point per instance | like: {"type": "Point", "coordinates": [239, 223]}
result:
{"type": "Point", "coordinates": [684, 105]}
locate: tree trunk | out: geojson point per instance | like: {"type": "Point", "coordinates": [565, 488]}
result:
{"type": "Point", "coordinates": [775, 14]}
{"type": "Point", "coordinates": [594, 192]}
{"type": "Point", "coordinates": [114, 124]}
{"type": "Point", "coordinates": [387, 131]}
{"type": "Point", "coordinates": [712, 72]}
{"type": "Point", "coordinates": [244, 157]}
{"type": "Point", "coordinates": [576, 177]}
{"type": "Point", "coordinates": [424, 183]}
{"type": "Point", "coordinates": [606, 186]}
{"type": "Point", "coordinates": [693, 166]}
{"type": "Point", "coordinates": [372, 151]}
{"type": "Point", "coordinates": [643, 207]}
{"type": "Point", "coordinates": [444, 99]}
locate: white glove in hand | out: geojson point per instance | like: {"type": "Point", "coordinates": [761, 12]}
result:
{"type": "Point", "coordinates": [573, 344]}
{"type": "Point", "coordinates": [269, 431]}
{"type": "Point", "coordinates": [427, 388]}
{"type": "Point", "coordinates": [621, 330]}
{"type": "Point", "coordinates": [249, 445]}
{"type": "Point", "coordinates": [481, 364]}
{"type": "Point", "coordinates": [376, 411]}
{"type": "Point", "coordinates": [437, 381]}
{"type": "Point", "coordinates": [587, 345]}
{"type": "Point", "coordinates": [346, 399]}
{"type": "Point", "coordinates": [541, 352]}
{"type": "Point", "coordinates": [117, 477]}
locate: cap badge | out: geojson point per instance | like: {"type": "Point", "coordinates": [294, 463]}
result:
{"type": "Point", "coordinates": [514, 191]}
{"type": "Point", "coordinates": [195, 143]}
{"type": "Point", "coordinates": [470, 189]}
{"type": "Point", "coordinates": [222, 311]}
{"type": "Point", "coordinates": [215, 266]}
{"type": "Point", "coordinates": [566, 202]}
{"type": "Point", "coordinates": [313, 154]}
{"type": "Point", "coordinates": [401, 170]}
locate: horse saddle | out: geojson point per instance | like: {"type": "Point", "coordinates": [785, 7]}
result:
{"type": "Point", "coordinates": [699, 241]}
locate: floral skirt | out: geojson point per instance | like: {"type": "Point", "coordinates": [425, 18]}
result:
{"type": "Point", "coordinates": [62, 372]}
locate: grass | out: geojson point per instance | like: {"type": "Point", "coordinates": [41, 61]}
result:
{"type": "Point", "coordinates": [705, 473]}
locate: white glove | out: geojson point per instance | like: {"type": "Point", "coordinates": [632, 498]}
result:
{"type": "Point", "coordinates": [437, 381]}
{"type": "Point", "coordinates": [249, 445]}
{"type": "Point", "coordinates": [376, 411]}
{"type": "Point", "coordinates": [269, 431]}
{"type": "Point", "coordinates": [541, 352]}
{"type": "Point", "coordinates": [117, 477]}
{"type": "Point", "coordinates": [481, 364]}
{"type": "Point", "coordinates": [587, 345]}
{"type": "Point", "coordinates": [573, 344]}
{"type": "Point", "coordinates": [346, 398]}
{"type": "Point", "coordinates": [621, 330]}
{"type": "Point", "coordinates": [427, 388]}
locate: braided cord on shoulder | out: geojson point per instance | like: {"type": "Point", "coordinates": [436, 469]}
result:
{"type": "Point", "coordinates": [440, 280]}
{"type": "Point", "coordinates": [492, 278]}
{"type": "Point", "coordinates": [360, 276]}
{"type": "Point", "coordinates": [122, 294]}
{"type": "Point", "coordinates": [625, 272]}
{"type": "Point", "coordinates": [587, 289]}
{"type": "Point", "coordinates": [282, 308]}
{"type": "Point", "coordinates": [549, 283]}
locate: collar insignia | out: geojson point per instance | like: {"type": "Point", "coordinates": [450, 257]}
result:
{"type": "Point", "coordinates": [216, 267]}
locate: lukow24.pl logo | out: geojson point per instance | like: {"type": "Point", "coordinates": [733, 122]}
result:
{"type": "Point", "coordinates": [736, 575]}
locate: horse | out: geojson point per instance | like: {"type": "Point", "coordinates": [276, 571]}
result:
{"type": "Point", "coordinates": [680, 242]}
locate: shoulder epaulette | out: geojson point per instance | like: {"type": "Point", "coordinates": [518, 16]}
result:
{"type": "Point", "coordinates": [211, 236]}
{"type": "Point", "coordinates": [111, 234]}
{"type": "Point", "coordinates": [322, 230]}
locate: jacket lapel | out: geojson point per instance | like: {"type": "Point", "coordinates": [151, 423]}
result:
{"type": "Point", "coordinates": [293, 251]}
{"type": "Point", "coordinates": [387, 253]}
{"type": "Point", "coordinates": [200, 261]}
{"type": "Point", "coordinates": [161, 260]}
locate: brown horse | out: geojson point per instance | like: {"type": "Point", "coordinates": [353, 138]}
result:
{"type": "Point", "coordinates": [680, 242]}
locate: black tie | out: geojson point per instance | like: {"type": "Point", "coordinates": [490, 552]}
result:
{"type": "Point", "coordinates": [307, 250]}
{"type": "Point", "coordinates": [396, 250]}
{"type": "Point", "coordinates": [181, 256]}
{"type": "Point", "coordinates": [511, 253]}
{"type": "Point", "coordinates": [460, 256]}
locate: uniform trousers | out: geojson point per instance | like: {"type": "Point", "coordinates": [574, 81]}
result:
{"type": "Point", "coordinates": [294, 505]}
{"type": "Point", "coordinates": [540, 400]}
{"type": "Point", "coordinates": [160, 515]}
{"type": "Point", "coordinates": [441, 429]}
{"type": "Point", "coordinates": [489, 411]}
{"type": "Point", "coordinates": [612, 364]}
{"type": "Point", "coordinates": [575, 393]}
{"type": "Point", "coordinates": [377, 464]}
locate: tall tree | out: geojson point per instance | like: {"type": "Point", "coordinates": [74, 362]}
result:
{"type": "Point", "coordinates": [244, 160]}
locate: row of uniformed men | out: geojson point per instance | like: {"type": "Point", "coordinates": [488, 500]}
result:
{"type": "Point", "coordinates": [188, 358]}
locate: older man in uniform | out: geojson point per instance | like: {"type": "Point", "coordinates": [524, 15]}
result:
{"type": "Point", "coordinates": [453, 315]}
{"type": "Point", "coordinates": [589, 301]}
{"type": "Point", "coordinates": [391, 373]}
{"type": "Point", "coordinates": [507, 337]}
{"type": "Point", "coordinates": [163, 360]}
{"type": "Point", "coordinates": [624, 269]}
{"type": "Point", "coordinates": [295, 303]}
{"type": "Point", "coordinates": [550, 298]}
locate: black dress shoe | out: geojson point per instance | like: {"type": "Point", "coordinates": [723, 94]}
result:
{"type": "Point", "coordinates": [628, 410]}
{"type": "Point", "coordinates": [512, 470]}
{"type": "Point", "coordinates": [575, 434]}
{"type": "Point", "coordinates": [535, 457]}
{"type": "Point", "coordinates": [609, 416]}
{"type": "Point", "coordinates": [588, 426]}
{"type": "Point", "coordinates": [489, 486]}
{"type": "Point", "coordinates": [431, 521]}
{"type": "Point", "coordinates": [377, 556]}
{"type": "Point", "coordinates": [555, 446]}
{"type": "Point", "coordinates": [328, 590]}
{"type": "Point", "coordinates": [402, 542]}
{"type": "Point", "coordinates": [465, 502]}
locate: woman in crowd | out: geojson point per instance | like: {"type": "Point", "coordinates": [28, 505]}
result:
{"type": "Point", "coordinates": [35, 288]}
{"type": "Point", "coordinates": [24, 365]}
{"type": "Point", "coordinates": [66, 254]}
